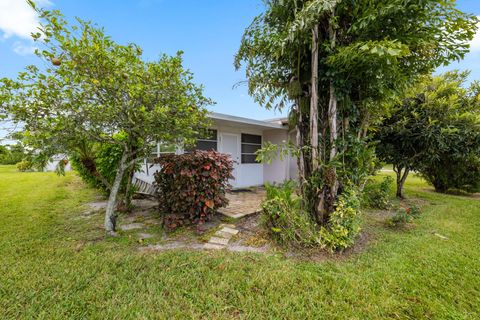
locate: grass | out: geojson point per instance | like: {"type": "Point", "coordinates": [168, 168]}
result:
{"type": "Point", "coordinates": [55, 265]}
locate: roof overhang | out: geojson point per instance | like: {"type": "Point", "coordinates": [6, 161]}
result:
{"type": "Point", "coordinates": [228, 120]}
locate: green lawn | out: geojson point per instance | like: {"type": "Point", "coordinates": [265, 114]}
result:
{"type": "Point", "coordinates": [54, 265]}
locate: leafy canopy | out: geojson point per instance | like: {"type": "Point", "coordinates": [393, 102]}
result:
{"type": "Point", "coordinates": [435, 130]}
{"type": "Point", "coordinates": [92, 88]}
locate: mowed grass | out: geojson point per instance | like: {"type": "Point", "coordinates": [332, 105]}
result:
{"type": "Point", "coordinates": [56, 265]}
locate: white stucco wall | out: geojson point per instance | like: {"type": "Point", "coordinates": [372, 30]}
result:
{"type": "Point", "coordinates": [52, 164]}
{"type": "Point", "coordinates": [247, 174]}
{"type": "Point", "coordinates": [277, 170]}
{"type": "Point", "coordinates": [292, 163]}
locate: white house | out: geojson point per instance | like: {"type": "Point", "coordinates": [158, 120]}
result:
{"type": "Point", "coordinates": [239, 137]}
{"type": "Point", "coordinates": [55, 160]}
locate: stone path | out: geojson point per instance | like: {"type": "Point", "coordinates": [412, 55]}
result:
{"type": "Point", "coordinates": [222, 237]}
{"type": "Point", "coordinates": [243, 203]}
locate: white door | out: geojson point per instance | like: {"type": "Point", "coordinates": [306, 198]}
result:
{"type": "Point", "coordinates": [231, 145]}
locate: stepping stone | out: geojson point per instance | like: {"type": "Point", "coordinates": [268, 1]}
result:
{"type": "Point", "coordinates": [232, 231]}
{"type": "Point", "coordinates": [145, 235]}
{"type": "Point", "coordinates": [132, 226]}
{"type": "Point", "coordinates": [211, 246]}
{"type": "Point", "coordinates": [231, 226]}
{"type": "Point", "coordinates": [223, 234]}
{"type": "Point", "coordinates": [220, 241]}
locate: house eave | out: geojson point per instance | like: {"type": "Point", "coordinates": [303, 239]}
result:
{"type": "Point", "coordinates": [220, 117]}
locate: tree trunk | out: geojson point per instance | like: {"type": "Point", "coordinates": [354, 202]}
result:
{"type": "Point", "coordinates": [401, 178]}
{"type": "Point", "coordinates": [330, 191]}
{"type": "Point", "coordinates": [128, 193]}
{"type": "Point", "coordinates": [110, 215]}
{"type": "Point", "coordinates": [314, 101]}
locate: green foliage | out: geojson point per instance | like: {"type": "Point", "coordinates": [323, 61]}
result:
{"type": "Point", "coordinates": [367, 52]}
{"type": "Point", "coordinates": [192, 186]}
{"type": "Point", "coordinates": [290, 225]}
{"type": "Point", "coordinates": [24, 165]}
{"type": "Point", "coordinates": [377, 195]}
{"type": "Point", "coordinates": [107, 158]}
{"type": "Point", "coordinates": [97, 163]}
{"type": "Point", "coordinates": [83, 168]}
{"type": "Point", "coordinates": [435, 130]}
{"type": "Point", "coordinates": [344, 223]}
{"type": "Point", "coordinates": [284, 219]}
{"type": "Point", "coordinates": [404, 216]}
{"type": "Point", "coordinates": [92, 88]}
{"type": "Point", "coordinates": [12, 154]}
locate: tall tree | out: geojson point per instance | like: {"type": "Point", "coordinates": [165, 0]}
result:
{"type": "Point", "coordinates": [334, 62]}
{"type": "Point", "coordinates": [93, 88]}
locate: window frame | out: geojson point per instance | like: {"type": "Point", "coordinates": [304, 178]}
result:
{"type": "Point", "coordinates": [242, 154]}
{"type": "Point", "coordinates": [205, 140]}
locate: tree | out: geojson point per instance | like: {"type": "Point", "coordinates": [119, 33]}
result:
{"type": "Point", "coordinates": [334, 63]}
{"type": "Point", "coordinates": [96, 90]}
{"type": "Point", "coordinates": [435, 130]}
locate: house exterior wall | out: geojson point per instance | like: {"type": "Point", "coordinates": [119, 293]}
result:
{"type": "Point", "coordinates": [276, 171]}
{"type": "Point", "coordinates": [247, 174]}
{"type": "Point", "coordinates": [292, 163]}
{"type": "Point", "coordinates": [53, 163]}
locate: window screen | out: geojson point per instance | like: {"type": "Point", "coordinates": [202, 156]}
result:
{"type": "Point", "coordinates": [250, 144]}
{"type": "Point", "coordinates": [206, 143]}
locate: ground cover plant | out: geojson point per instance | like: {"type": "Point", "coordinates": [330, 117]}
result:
{"type": "Point", "coordinates": [57, 264]}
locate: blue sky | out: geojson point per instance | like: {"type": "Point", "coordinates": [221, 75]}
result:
{"type": "Point", "coordinates": [208, 31]}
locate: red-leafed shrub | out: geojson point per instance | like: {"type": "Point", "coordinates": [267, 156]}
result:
{"type": "Point", "coordinates": [192, 186]}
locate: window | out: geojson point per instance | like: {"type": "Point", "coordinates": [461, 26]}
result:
{"type": "Point", "coordinates": [159, 149]}
{"type": "Point", "coordinates": [250, 144]}
{"type": "Point", "coordinates": [207, 142]}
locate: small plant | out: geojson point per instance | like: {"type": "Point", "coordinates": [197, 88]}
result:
{"type": "Point", "coordinates": [377, 195]}
{"type": "Point", "coordinates": [290, 225]}
{"type": "Point", "coordinates": [283, 218]}
{"type": "Point", "coordinates": [344, 223]}
{"type": "Point", "coordinates": [24, 165]}
{"type": "Point", "coordinates": [404, 216]}
{"type": "Point", "coordinates": [191, 187]}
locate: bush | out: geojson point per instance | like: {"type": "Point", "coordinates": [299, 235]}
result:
{"type": "Point", "coordinates": [377, 195]}
{"type": "Point", "coordinates": [284, 219]}
{"type": "Point", "coordinates": [290, 225]}
{"type": "Point", "coordinates": [24, 165]}
{"type": "Point", "coordinates": [344, 222]}
{"type": "Point", "coordinates": [191, 187]}
{"type": "Point", "coordinates": [452, 173]}
{"type": "Point", "coordinates": [404, 216]}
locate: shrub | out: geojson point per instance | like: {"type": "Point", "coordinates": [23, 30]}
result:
{"type": "Point", "coordinates": [404, 216]}
{"type": "Point", "coordinates": [377, 195]}
{"type": "Point", "coordinates": [453, 173]}
{"type": "Point", "coordinates": [290, 225]}
{"type": "Point", "coordinates": [284, 219]}
{"type": "Point", "coordinates": [191, 187]}
{"type": "Point", "coordinates": [24, 165]}
{"type": "Point", "coordinates": [344, 222]}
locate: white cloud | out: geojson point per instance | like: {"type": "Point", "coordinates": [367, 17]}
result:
{"type": "Point", "coordinates": [23, 49]}
{"type": "Point", "coordinates": [18, 19]}
{"type": "Point", "coordinates": [475, 43]}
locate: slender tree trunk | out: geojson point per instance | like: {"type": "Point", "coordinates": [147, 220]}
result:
{"type": "Point", "coordinates": [110, 215]}
{"type": "Point", "coordinates": [330, 191]}
{"type": "Point", "coordinates": [314, 101]}
{"type": "Point", "coordinates": [401, 178]}
{"type": "Point", "coordinates": [299, 142]}
{"type": "Point", "coordinates": [128, 187]}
